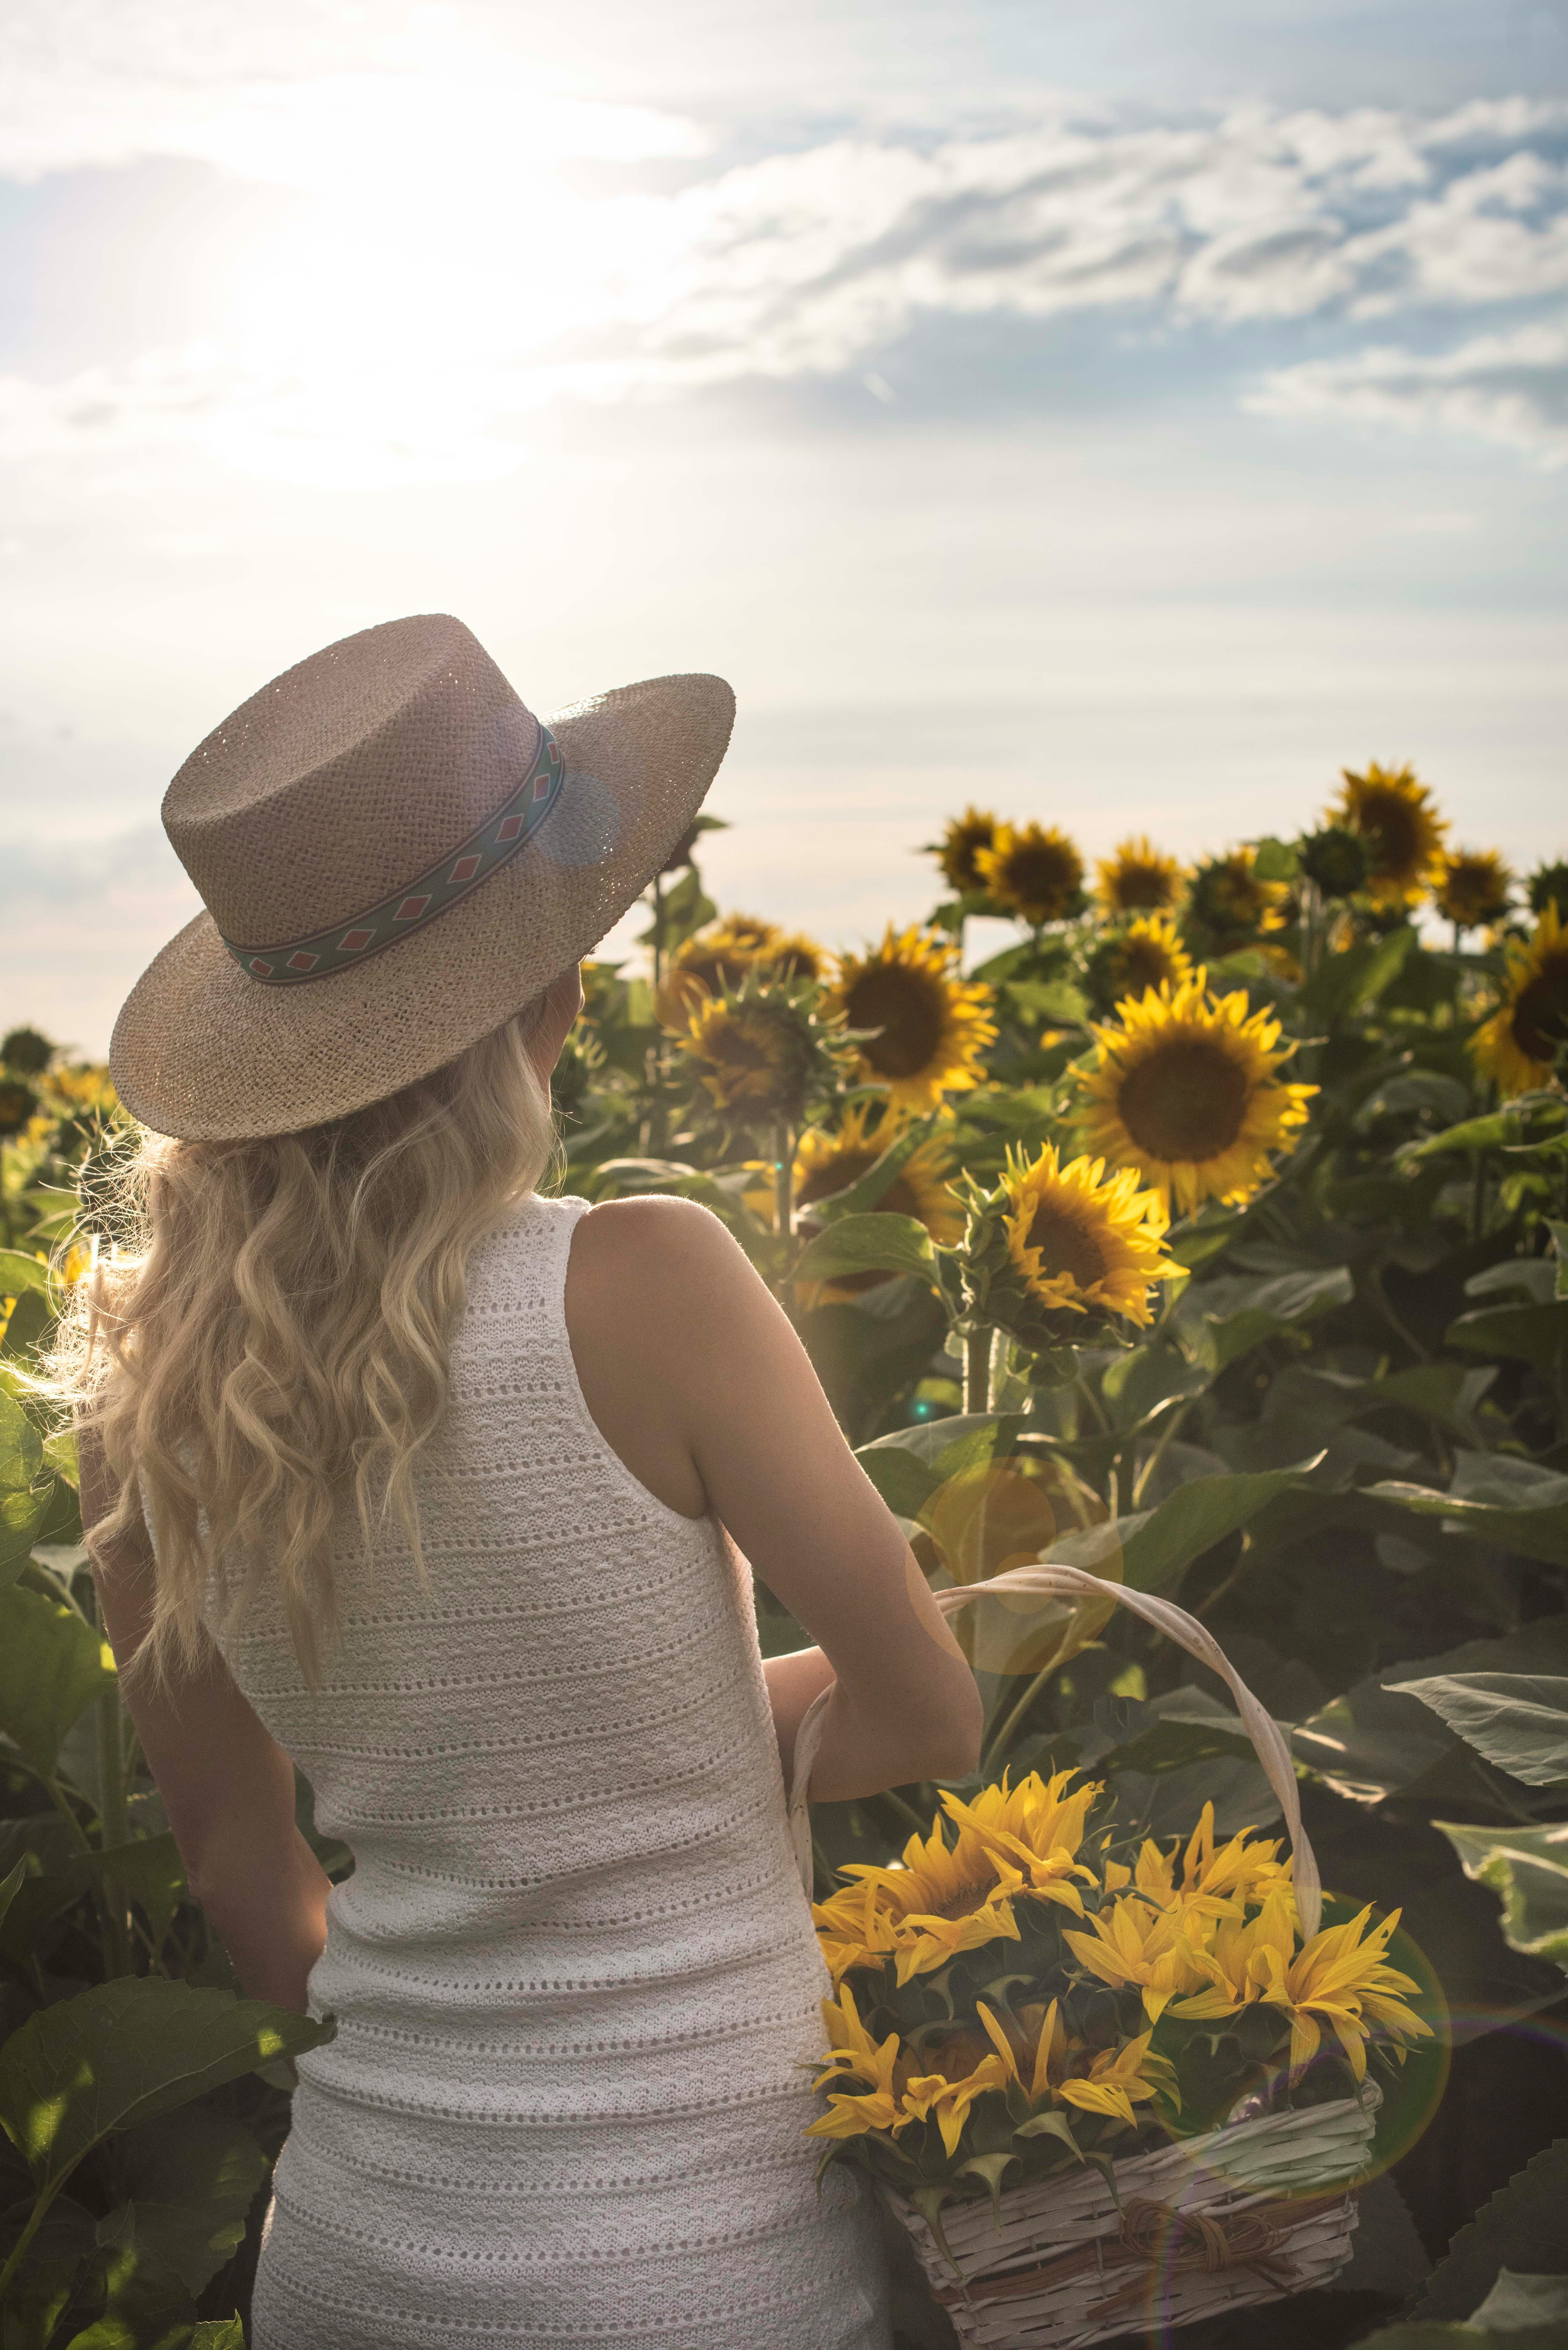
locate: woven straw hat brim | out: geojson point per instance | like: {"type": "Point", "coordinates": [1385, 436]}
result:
{"type": "Point", "coordinates": [205, 1053]}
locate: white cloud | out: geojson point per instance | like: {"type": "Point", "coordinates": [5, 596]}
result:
{"type": "Point", "coordinates": [1509, 388]}
{"type": "Point", "coordinates": [406, 325]}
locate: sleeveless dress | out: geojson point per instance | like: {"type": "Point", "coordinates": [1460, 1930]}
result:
{"type": "Point", "coordinates": [574, 1972]}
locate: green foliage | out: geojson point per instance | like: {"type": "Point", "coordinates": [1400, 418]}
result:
{"type": "Point", "coordinates": [1342, 1441]}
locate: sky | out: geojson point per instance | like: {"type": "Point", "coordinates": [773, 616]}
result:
{"type": "Point", "coordinates": [1118, 415]}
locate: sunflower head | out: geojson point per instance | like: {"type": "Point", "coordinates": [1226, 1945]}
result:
{"type": "Point", "coordinates": [1227, 904]}
{"type": "Point", "coordinates": [1475, 888]}
{"type": "Point", "coordinates": [924, 1026]}
{"type": "Point", "coordinates": [1143, 953]}
{"type": "Point", "coordinates": [1135, 878]}
{"type": "Point", "coordinates": [1055, 1253]}
{"type": "Point", "coordinates": [25, 1053]}
{"type": "Point", "coordinates": [1522, 1045]}
{"type": "Point", "coordinates": [961, 844]}
{"type": "Point", "coordinates": [1548, 886]}
{"type": "Point", "coordinates": [1184, 1090]}
{"type": "Point", "coordinates": [1035, 872]}
{"type": "Point", "coordinates": [765, 1049]}
{"type": "Point", "coordinates": [1397, 817]}
{"type": "Point", "coordinates": [708, 962]}
{"type": "Point", "coordinates": [1336, 859]}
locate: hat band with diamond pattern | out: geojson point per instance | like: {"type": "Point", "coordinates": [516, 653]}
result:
{"type": "Point", "coordinates": [417, 902]}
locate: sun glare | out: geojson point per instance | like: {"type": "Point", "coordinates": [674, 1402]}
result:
{"type": "Point", "coordinates": [463, 234]}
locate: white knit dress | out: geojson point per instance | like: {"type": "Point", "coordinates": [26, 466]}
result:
{"type": "Point", "coordinates": [574, 1972]}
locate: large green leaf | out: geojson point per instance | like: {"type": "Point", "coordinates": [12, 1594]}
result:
{"type": "Point", "coordinates": [1376, 1739]}
{"type": "Point", "coordinates": [1528, 1869]}
{"type": "Point", "coordinates": [881, 1243]}
{"type": "Point", "coordinates": [901, 1476]}
{"type": "Point", "coordinates": [21, 1275]}
{"type": "Point", "coordinates": [1518, 1721]}
{"type": "Point", "coordinates": [1158, 1545]}
{"type": "Point", "coordinates": [125, 2051]}
{"type": "Point", "coordinates": [52, 1666]}
{"type": "Point", "coordinates": [1536, 1335]}
{"type": "Point", "coordinates": [21, 1508]}
{"type": "Point", "coordinates": [1521, 2229]}
{"type": "Point", "coordinates": [152, 1871]}
{"type": "Point", "coordinates": [192, 2176]}
{"type": "Point", "coordinates": [1222, 1319]}
{"type": "Point", "coordinates": [1496, 1499]}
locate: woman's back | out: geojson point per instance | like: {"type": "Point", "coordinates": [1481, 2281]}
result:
{"type": "Point", "coordinates": [574, 1971]}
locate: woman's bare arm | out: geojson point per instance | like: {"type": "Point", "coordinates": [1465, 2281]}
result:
{"type": "Point", "coordinates": [227, 1787]}
{"type": "Point", "coordinates": [697, 1379]}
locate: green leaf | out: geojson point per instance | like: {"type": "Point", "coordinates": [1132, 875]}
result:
{"type": "Point", "coordinates": [1519, 1721]}
{"type": "Point", "coordinates": [21, 1459]}
{"type": "Point", "coordinates": [990, 2169]}
{"type": "Point", "coordinates": [1049, 2125]}
{"type": "Point", "coordinates": [192, 2176]}
{"type": "Point", "coordinates": [1521, 2229]}
{"type": "Point", "coordinates": [1537, 1335]}
{"type": "Point", "coordinates": [1158, 1545]}
{"type": "Point", "coordinates": [1342, 984]}
{"type": "Point", "coordinates": [1275, 860]}
{"type": "Point", "coordinates": [1514, 1504]}
{"type": "Point", "coordinates": [43, 2288]}
{"type": "Point", "coordinates": [901, 1477]}
{"type": "Point", "coordinates": [125, 2051]}
{"type": "Point", "coordinates": [9, 1885]}
{"type": "Point", "coordinates": [1560, 1262]}
{"type": "Point", "coordinates": [1376, 1740]}
{"type": "Point", "coordinates": [866, 1192]}
{"type": "Point", "coordinates": [881, 1243]}
{"type": "Point", "coordinates": [52, 1666]}
{"type": "Point", "coordinates": [21, 1274]}
{"type": "Point", "coordinates": [1495, 1131]}
{"type": "Point", "coordinates": [1528, 1869]}
{"type": "Point", "coordinates": [1222, 1319]}
{"type": "Point", "coordinates": [152, 1871]}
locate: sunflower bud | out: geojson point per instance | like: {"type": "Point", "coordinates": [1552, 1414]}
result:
{"type": "Point", "coordinates": [1336, 859]}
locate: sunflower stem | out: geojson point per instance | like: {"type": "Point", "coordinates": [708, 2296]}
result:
{"type": "Point", "coordinates": [977, 1371]}
{"type": "Point", "coordinates": [784, 1178]}
{"type": "Point", "coordinates": [1478, 1194]}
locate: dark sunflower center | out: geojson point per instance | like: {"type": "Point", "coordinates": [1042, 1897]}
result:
{"type": "Point", "coordinates": [1144, 965]}
{"type": "Point", "coordinates": [1185, 1101]}
{"type": "Point", "coordinates": [1043, 874]}
{"type": "Point", "coordinates": [1391, 822]}
{"type": "Point", "coordinates": [846, 1167]}
{"type": "Point", "coordinates": [964, 1900]}
{"type": "Point", "coordinates": [734, 1047]}
{"type": "Point", "coordinates": [907, 1006]}
{"type": "Point", "coordinates": [1065, 1247]}
{"type": "Point", "coordinates": [1142, 885]}
{"type": "Point", "coordinates": [1540, 1021]}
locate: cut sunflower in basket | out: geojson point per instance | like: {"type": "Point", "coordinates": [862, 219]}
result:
{"type": "Point", "coordinates": [1032, 1987]}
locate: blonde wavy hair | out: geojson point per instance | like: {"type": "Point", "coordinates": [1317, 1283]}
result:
{"type": "Point", "coordinates": [273, 1318]}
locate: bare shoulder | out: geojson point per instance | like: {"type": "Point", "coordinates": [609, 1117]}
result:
{"type": "Point", "coordinates": [654, 1247]}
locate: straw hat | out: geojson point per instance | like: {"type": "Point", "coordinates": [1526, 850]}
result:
{"type": "Point", "coordinates": [395, 856]}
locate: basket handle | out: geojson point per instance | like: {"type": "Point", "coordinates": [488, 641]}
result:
{"type": "Point", "coordinates": [1072, 1583]}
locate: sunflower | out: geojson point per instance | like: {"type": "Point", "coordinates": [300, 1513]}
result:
{"type": "Point", "coordinates": [17, 1104]}
{"type": "Point", "coordinates": [1036, 1829]}
{"type": "Point", "coordinates": [1142, 954]}
{"type": "Point", "coordinates": [1035, 872]}
{"type": "Point", "coordinates": [960, 846]}
{"type": "Point", "coordinates": [1336, 859]}
{"type": "Point", "coordinates": [1184, 1091]}
{"type": "Point", "coordinates": [940, 1900]}
{"type": "Point", "coordinates": [829, 1159]}
{"type": "Point", "coordinates": [931, 1024]}
{"type": "Point", "coordinates": [1228, 905]}
{"type": "Point", "coordinates": [1474, 889]}
{"type": "Point", "coordinates": [1135, 878]}
{"type": "Point", "coordinates": [26, 1052]}
{"type": "Point", "coordinates": [1519, 1043]}
{"type": "Point", "coordinates": [1340, 1979]}
{"type": "Point", "coordinates": [764, 1050]}
{"type": "Point", "coordinates": [709, 962]}
{"type": "Point", "coordinates": [1394, 812]}
{"type": "Point", "coordinates": [1131, 1946]}
{"type": "Point", "coordinates": [1080, 1241]}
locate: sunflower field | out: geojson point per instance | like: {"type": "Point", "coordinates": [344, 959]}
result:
{"type": "Point", "coordinates": [1211, 1237]}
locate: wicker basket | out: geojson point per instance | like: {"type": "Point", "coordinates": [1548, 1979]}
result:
{"type": "Point", "coordinates": [1250, 2212]}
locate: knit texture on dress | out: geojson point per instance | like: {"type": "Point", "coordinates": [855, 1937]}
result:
{"type": "Point", "coordinates": [574, 1972]}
